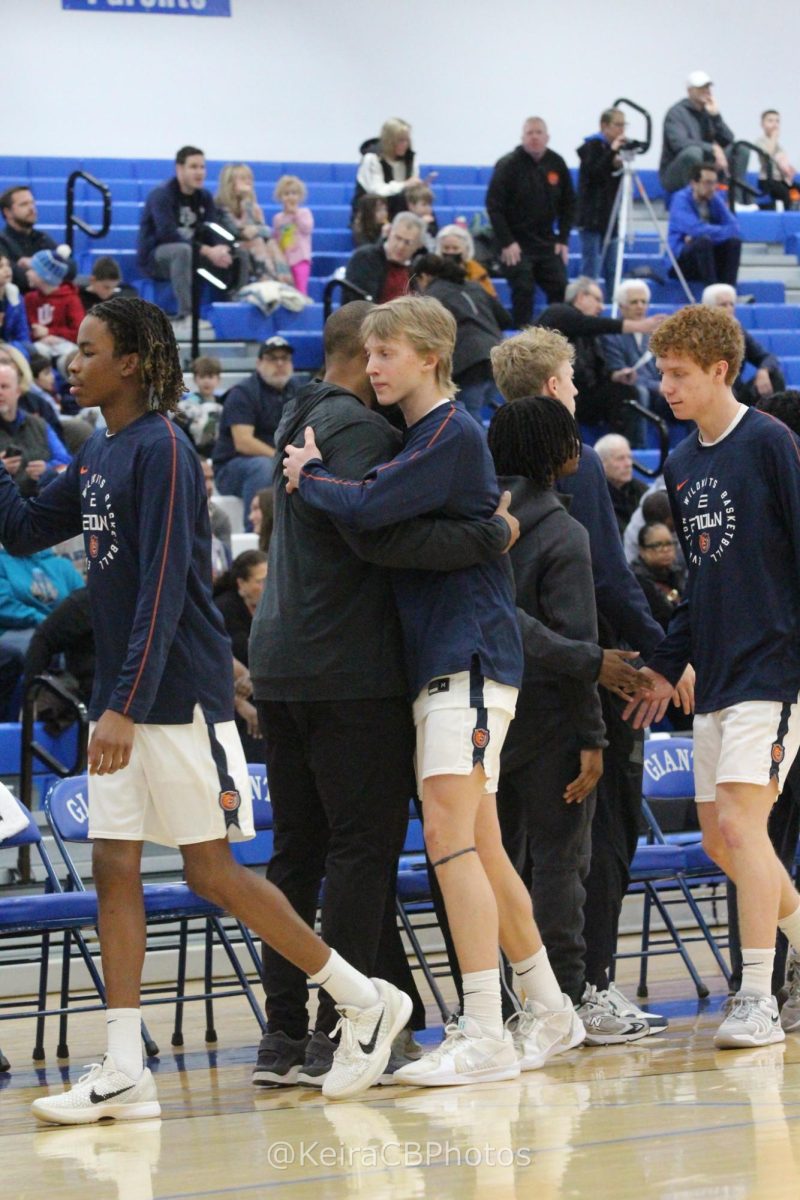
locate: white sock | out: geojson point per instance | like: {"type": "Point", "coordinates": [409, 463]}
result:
{"type": "Point", "coordinates": [757, 971]}
{"type": "Point", "coordinates": [124, 1033]}
{"type": "Point", "coordinates": [791, 927]}
{"type": "Point", "coordinates": [482, 1000]}
{"type": "Point", "coordinates": [345, 984]}
{"type": "Point", "coordinates": [535, 978]}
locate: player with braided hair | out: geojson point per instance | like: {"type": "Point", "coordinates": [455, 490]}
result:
{"type": "Point", "coordinates": [165, 760]}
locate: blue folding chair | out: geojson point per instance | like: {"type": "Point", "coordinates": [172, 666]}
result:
{"type": "Point", "coordinates": [414, 899]}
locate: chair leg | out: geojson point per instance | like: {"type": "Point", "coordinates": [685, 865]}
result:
{"type": "Point", "coordinates": [641, 991]}
{"type": "Point", "coordinates": [227, 946]}
{"type": "Point", "coordinates": [211, 1033]}
{"type": "Point", "coordinates": [421, 959]}
{"type": "Point", "coordinates": [5, 1065]}
{"type": "Point", "coordinates": [177, 1032]}
{"type": "Point", "coordinates": [62, 1049]}
{"type": "Point", "coordinates": [703, 927]}
{"type": "Point", "coordinates": [701, 988]}
{"type": "Point", "coordinates": [38, 1049]}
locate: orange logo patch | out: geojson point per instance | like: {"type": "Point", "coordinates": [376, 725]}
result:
{"type": "Point", "coordinates": [705, 543]}
{"type": "Point", "coordinates": [94, 546]}
{"type": "Point", "coordinates": [553, 178]}
{"type": "Point", "coordinates": [480, 738]}
{"type": "Point", "coordinates": [777, 752]}
{"type": "Point", "coordinates": [229, 801]}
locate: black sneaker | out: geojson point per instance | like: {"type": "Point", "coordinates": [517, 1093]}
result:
{"type": "Point", "coordinates": [318, 1060]}
{"type": "Point", "coordinates": [279, 1060]}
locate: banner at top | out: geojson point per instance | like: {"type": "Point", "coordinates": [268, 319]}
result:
{"type": "Point", "coordinates": [170, 8]}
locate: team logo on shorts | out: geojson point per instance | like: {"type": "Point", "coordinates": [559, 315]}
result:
{"type": "Point", "coordinates": [777, 752]}
{"type": "Point", "coordinates": [480, 738]}
{"type": "Point", "coordinates": [704, 542]}
{"type": "Point", "coordinates": [94, 545]}
{"type": "Point", "coordinates": [229, 801]}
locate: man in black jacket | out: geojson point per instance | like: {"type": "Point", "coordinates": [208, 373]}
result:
{"type": "Point", "coordinates": [20, 240]}
{"type": "Point", "coordinates": [598, 183]}
{"type": "Point", "coordinates": [530, 202]}
{"type": "Point", "coordinates": [694, 132]}
{"type": "Point", "coordinates": [381, 270]}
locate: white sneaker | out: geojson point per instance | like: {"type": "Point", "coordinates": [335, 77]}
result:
{"type": "Point", "coordinates": [752, 1021]}
{"type": "Point", "coordinates": [626, 1008]}
{"type": "Point", "coordinates": [466, 1055]}
{"type": "Point", "coordinates": [102, 1092]}
{"type": "Point", "coordinates": [540, 1033]}
{"type": "Point", "coordinates": [366, 1042]}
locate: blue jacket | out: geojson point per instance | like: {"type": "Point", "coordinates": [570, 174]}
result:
{"type": "Point", "coordinates": [33, 587]}
{"type": "Point", "coordinates": [15, 329]}
{"type": "Point", "coordinates": [685, 221]}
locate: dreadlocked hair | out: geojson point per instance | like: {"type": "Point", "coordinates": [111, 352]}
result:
{"type": "Point", "coordinates": [138, 327]}
{"type": "Point", "coordinates": [534, 437]}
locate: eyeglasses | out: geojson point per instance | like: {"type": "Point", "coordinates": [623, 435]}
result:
{"type": "Point", "coordinates": [658, 546]}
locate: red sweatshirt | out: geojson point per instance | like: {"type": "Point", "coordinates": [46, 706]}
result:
{"type": "Point", "coordinates": [61, 310]}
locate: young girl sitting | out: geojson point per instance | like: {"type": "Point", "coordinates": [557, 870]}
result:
{"type": "Point", "coordinates": [292, 227]}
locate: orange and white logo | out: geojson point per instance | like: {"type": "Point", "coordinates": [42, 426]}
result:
{"type": "Point", "coordinates": [94, 545]}
{"type": "Point", "coordinates": [480, 738]}
{"type": "Point", "coordinates": [229, 801]}
{"type": "Point", "coordinates": [777, 752]}
{"type": "Point", "coordinates": [704, 541]}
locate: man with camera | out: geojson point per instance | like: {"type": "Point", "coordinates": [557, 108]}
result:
{"type": "Point", "coordinates": [598, 181]}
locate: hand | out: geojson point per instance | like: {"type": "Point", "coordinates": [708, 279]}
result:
{"type": "Point", "coordinates": [412, 181]}
{"type": "Point", "coordinates": [220, 256]}
{"type": "Point", "coordinates": [720, 161]}
{"type": "Point", "coordinates": [39, 332]}
{"type": "Point", "coordinates": [562, 251]}
{"type": "Point", "coordinates": [11, 463]}
{"type": "Point", "coordinates": [683, 696]}
{"type": "Point", "coordinates": [431, 177]}
{"type": "Point", "coordinates": [249, 232]}
{"type": "Point", "coordinates": [111, 743]}
{"type": "Point", "coordinates": [297, 457]}
{"type": "Point", "coordinates": [650, 324]}
{"type": "Point", "coordinates": [618, 676]}
{"type": "Point", "coordinates": [648, 706]}
{"type": "Point", "coordinates": [36, 468]}
{"type": "Point", "coordinates": [624, 375]}
{"type": "Point", "coordinates": [24, 263]}
{"type": "Point", "coordinates": [511, 255]}
{"type": "Point", "coordinates": [248, 713]}
{"type": "Point", "coordinates": [502, 510]}
{"type": "Point", "coordinates": [243, 685]}
{"type": "Point", "coordinates": [591, 770]}
{"type": "Point", "coordinates": [711, 106]}
{"type": "Point", "coordinates": [762, 382]}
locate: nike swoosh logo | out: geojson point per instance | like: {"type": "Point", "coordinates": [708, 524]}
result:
{"type": "Point", "coordinates": [373, 1041]}
{"type": "Point", "coordinates": [678, 486]}
{"type": "Point", "coordinates": [95, 1099]}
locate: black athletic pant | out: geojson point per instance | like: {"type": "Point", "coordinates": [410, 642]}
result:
{"type": "Point", "coordinates": [543, 267]}
{"type": "Point", "coordinates": [711, 262]}
{"type": "Point", "coordinates": [340, 779]}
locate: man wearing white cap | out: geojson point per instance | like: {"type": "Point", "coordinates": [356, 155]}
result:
{"type": "Point", "coordinates": [695, 132]}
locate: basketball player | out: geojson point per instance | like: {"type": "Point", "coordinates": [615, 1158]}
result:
{"type": "Point", "coordinates": [734, 488]}
{"type": "Point", "coordinates": [165, 762]}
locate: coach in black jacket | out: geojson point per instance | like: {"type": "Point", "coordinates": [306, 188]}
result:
{"type": "Point", "coordinates": [530, 202]}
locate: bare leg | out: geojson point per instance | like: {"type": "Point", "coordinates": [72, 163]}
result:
{"type": "Point", "coordinates": [519, 936]}
{"type": "Point", "coordinates": [116, 866]}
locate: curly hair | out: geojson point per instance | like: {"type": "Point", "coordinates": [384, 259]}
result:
{"type": "Point", "coordinates": [703, 335]}
{"type": "Point", "coordinates": [138, 327]}
{"type": "Point", "coordinates": [535, 436]}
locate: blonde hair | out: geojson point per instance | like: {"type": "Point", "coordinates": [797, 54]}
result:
{"type": "Point", "coordinates": [391, 132]}
{"type": "Point", "coordinates": [227, 196]}
{"type": "Point", "coordinates": [523, 364]}
{"type": "Point", "coordinates": [425, 324]}
{"type": "Point", "coordinates": [287, 181]}
{"type": "Point", "coordinates": [703, 335]}
{"type": "Point", "coordinates": [19, 362]}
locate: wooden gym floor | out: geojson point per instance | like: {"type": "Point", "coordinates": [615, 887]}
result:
{"type": "Point", "coordinates": [669, 1118]}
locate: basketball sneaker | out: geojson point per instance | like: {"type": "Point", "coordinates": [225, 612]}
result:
{"type": "Point", "coordinates": [752, 1021]}
{"type": "Point", "coordinates": [279, 1060]}
{"type": "Point", "coordinates": [102, 1092]}
{"type": "Point", "coordinates": [790, 1013]}
{"type": "Point", "coordinates": [318, 1060]}
{"type": "Point", "coordinates": [405, 1049]}
{"type": "Point", "coordinates": [540, 1033]}
{"type": "Point", "coordinates": [366, 1042]}
{"type": "Point", "coordinates": [466, 1055]}
{"type": "Point", "coordinates": [603, 1024]}
{"type": "Point", "coordinates": [626, 1008]}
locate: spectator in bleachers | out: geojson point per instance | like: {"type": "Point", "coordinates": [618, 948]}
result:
{"type": "Point", "coordinates": [262, 516]}
{"type": "Point", "coordinates": [419, 198]}
{"type": "Point", "coordinates": [598, 183]}
{"type": "Point", "coordinates": [20, 239]}
{"type": "Point", "coordinates": [53, 305]}
{"type": "Point", "coordinates": [695, 133]}
{"type": "Point", "coordinates": [768, 377]}
{"type": "Point", "coordinates": [627, 354]}
{"type": "Point", "coordinates": [104, 282]}
{"type": "Point", "coordinates": [388, 166]}
{"type": "Point", "coordinates": [236, 594]}
{"type": "Point", "coordinates": [704, 234]}
{"type": "Point", "coordinates": [244, 454]}
{"type": "Point", "coordinates": [39, 394]}
{"type": "Point", "coordinates": [781, 183]}
{"type": "Point", "coordinates": [201, 408]}
{"type": "Point", "coordinates": [30, 449]}
{"type": "Point", "coordinates": [480, 320]}
{"type": "Point", "coordinates": [657, 571]}
{"type": "Point", "coordinates": [292, 228]}
{"type": "Point", "coordinates": [599, 398]}
{"type": "Point", "coordinates": [31, 587]}
{"type": "Point", "coordinates": [454, 241]}
{"type": "Point", "coordinates": [653, 506]}
{"type": "Point", "coordinates": [371, 220]}
{"type": "Point", "coordinates": [382, 271]}
{"type": "Point", "coordinates": [531, 203]}
{"type": "Point", "coordinates": [14, 326]}
{"type": "Point", "coordinates": [242, 215]}
{"type": "Point", "coordinates": [174, 214]}
{"type": "Point", "coordinates": [66, 631]}
{"type": "Point", "coordinates": [614, 452]}
{"type": "Point", "coordinates": [220, 525]}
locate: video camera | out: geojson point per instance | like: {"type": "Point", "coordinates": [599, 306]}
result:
{"type": "Point", "coordinates": [632, 145]}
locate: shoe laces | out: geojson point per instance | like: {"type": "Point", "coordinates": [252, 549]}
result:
{"type": "Point", "coordinates": [743, 1005]}
{"type": "Point", "coordinates": [92, 1071]}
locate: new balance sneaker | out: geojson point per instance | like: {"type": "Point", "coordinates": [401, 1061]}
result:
{"type": "Point", "coordinates": [790, 1012]}
{"type": "Point", "coordinates": [626, 1008]}
{"type": "Point", "coordinates": [366, 1042]}
{"type": "Point", "coordinates": [752, 1021]}
{"type": "Point", "coordinates": [466, 1055]}
{"type": "Point", "coordinates": [102, 1092]}
{"type": "Point", "coordinates": [318, 1060]}
{"type": "Point", "coordinates": [279, 1060]}
{"type": "Point", "coordinates": [603, 1024]}
{"type": "Point", "coordinates": [405, 1049]}
{"type": "Point", "coordinates": [540, 1033]}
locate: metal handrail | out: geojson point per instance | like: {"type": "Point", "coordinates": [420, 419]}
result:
{"type": "Point", "coordinates": [330, 287]}
{"type": "Point", "coordinates": [663, 439]}
{"type": "Point", "coordinates": [742, 184]}
{"type": "Point", "coordinates": [74, 222]}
